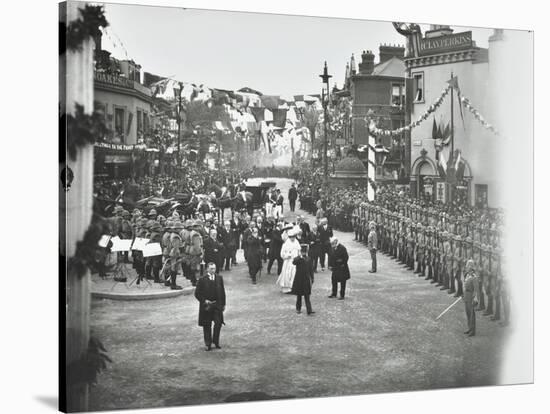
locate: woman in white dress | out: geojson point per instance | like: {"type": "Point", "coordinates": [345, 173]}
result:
{"type": "Point", "coordinates": [290, 250]}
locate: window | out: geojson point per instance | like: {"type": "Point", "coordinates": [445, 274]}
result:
{"type": "Point", "coordinates": [418, 87]}
{"type": "Point", "coordinates": [397, 94]}
{"type": "Point", "coordinates": [139, 121]}
{"type": "Point", "coordinates": [145, 122]}
{"type": "Point", "coordinates": [119, 123]}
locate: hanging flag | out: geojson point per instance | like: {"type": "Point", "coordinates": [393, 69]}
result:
{"type": "Point", "coordinates": [460, 166]}
{"type": "Point", "coordinates": [454, 84]}
{"type": "Point", "coordinates": [441, 164]}
{"type": "Point", "coordinates": [435, 130]}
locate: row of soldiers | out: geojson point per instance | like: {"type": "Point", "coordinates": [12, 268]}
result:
{"type": "Point", "coordinates": [436, 245]}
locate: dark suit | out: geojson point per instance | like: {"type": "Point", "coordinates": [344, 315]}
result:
{"type": "Point", "coordinates": [213, 252]}
{"type": "Point", "coordinates": [213, 291]}
{"type": "Point", "coordinates": [275, 251]}
{"type": "Point", "coordinates": [303, 281]}
{"type": "Point", "coordinates": [324, 236]}
{"type": "Point", "coordinates": [338, 261]}
{"type": "Point", "coordinates": [255, 253]}
{"type": "Point", "coordinates": [304, 238]}
{"type": "Point", "coordinates": [292, 196]}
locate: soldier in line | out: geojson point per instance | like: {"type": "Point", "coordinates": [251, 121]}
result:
{"type": "Point", "coordinates": [471, 294]}
{"type": "Point", "coordinates": [373, 243]}
{"type": "Point", "coordinates": [175, 256]}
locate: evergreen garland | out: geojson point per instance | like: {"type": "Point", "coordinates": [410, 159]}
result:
{"type": "Point", "coordinates": [88, 250]}
{"type": "Point", "coordinates": [88, 25]}
{"type": "Point", "coordinates": [82, 129]}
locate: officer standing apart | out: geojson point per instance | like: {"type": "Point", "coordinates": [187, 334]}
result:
{"type": "Point", "coordinates": [471, 295]}
{"type": "Point", "coordinates": [210, 293]}
{"type": "Point", "coordinates": [292, 196]}
{"type": "Point", "coordinates": [338, 261]}
{"type": "Point", "coordinates": [372, 244]}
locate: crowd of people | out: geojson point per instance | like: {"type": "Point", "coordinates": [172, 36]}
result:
{"type": "Point", "coordinates": [443, 243]}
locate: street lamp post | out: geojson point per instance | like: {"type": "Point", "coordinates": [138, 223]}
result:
{"type": "Point", "coordinates": [177, 96]}
{"type": "Point", "coordinates": [325, 77]}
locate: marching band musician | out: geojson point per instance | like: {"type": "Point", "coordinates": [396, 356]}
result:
{"type": "Point", "coordinates": [154, 263]}
{"type": "Point", "coordinates": [175, 255]}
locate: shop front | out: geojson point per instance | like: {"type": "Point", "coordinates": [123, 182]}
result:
{"type": "Point", "coordinates": [117, 161]}
{"type": "Point", "coordinates": [429, 185]}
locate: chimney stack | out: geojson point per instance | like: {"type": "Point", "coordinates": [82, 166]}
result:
{"type": "Point", "coordinates": [389, 51]}
{"type": "Point", "coordinates": [366, 66]}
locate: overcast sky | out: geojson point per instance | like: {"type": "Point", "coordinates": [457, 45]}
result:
{"type": "Point", "coordinates": [275, 54]}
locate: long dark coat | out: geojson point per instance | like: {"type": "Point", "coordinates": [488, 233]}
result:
{"type": "Point", "coordinates": [276, 244]}
{"type": "Point", "coordinates": [304, 276]}
{"type": "Point", "coordinates": [338, 260]}
{"type": "Point", "coordinates": [213, 291]}
{"type": "Point", "coordinates": [254, 255]}
{"type": "Point", "coordinates": [213, 251]}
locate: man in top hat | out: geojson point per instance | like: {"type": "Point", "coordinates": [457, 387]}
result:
{"type": "Point", "coordinates": [304, 229]}
{"type": "Point", "coordinates": [303, 280]}
{"type": "Point", "coordinates": [275, 248]}
{"type": "Point", "coordinates": [338, 262]}
{"type": "Point", "coordinates": [230, 241]}
{"type": "Point", "coordinates": [471, 295]}
{"type": "Point", "coordinates": [325, 233]}
{"type": "Point", "coordinates": [372, 245]}
{"type": "Point", "coordinates": [210, 292]}
{"type": "Point", "coordinates": [213, 249]}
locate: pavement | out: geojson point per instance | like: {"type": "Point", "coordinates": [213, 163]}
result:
{"type": "Point", "coordinates": [382, 338]}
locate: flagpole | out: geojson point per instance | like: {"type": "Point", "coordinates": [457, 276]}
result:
{"type": "Point", "coordinates": [451, 155]}
{"type": "Point", "coordinates": [452, 120]}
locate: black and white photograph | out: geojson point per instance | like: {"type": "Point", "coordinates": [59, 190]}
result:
{"type": "Point", "coordinates": [259, 207]}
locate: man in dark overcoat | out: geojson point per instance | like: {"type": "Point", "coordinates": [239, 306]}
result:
{"type": "Point", "coordinates": [210, 292]}
{"type": "Point", "coordinates": [255, 253]}
{"type": "Point", "coordinates": [213, 249]}
{"type": "Point", "coordinates": [338, 262]}
{"type": "Point", "coordinates": [292, 196]}
{"type": "Point", "coordinates": [275, 248]}
{"type": "Point", "coordinates": [303, 280]}
{"type": "Point", "coordinates": [325, 233]}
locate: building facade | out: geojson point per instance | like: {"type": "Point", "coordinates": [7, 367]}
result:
{"type": "Point", "coordinates": [127, 106]}
{"type": "Point", "coordinates": [378, 92]}
{"type": "Point", "coordinates": [465, 144]}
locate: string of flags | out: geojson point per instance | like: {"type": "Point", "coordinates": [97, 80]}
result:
{"type": "Point", "coordinates": [117, 43]}
{"type": "Point", "coordinates": [431, 109]}
{"type": "Point", "coordinates": [478, 116]}
{"type": "Point", "coordinates": [373, 129]}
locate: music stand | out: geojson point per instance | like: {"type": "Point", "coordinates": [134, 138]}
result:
{"type": "Point", "coordinates": [121, 272]}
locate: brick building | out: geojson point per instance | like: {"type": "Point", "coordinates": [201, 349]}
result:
{"type": "Point", "coordinates": [378, 91]}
